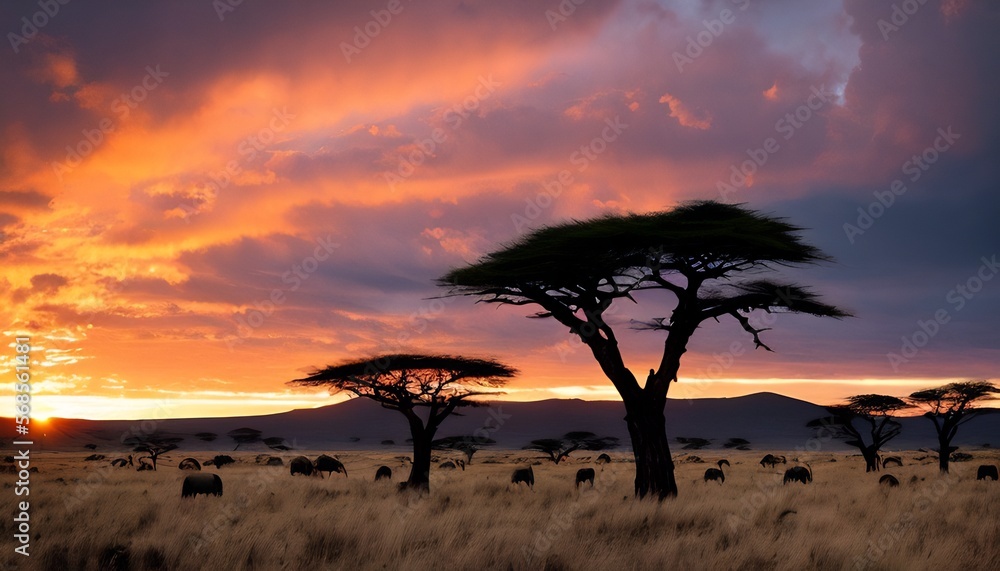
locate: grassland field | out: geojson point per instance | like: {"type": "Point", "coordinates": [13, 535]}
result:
{"type": "Point", "coordinates": [88, 515]}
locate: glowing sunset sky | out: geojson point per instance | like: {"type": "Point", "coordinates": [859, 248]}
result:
{"type": "Point", "coordinates": [198, 204]}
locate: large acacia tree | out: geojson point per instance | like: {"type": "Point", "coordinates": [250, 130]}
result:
{"type": "Point", "coordinates": [704, 258]}
{"type": "Point", "coordinates": [876, 412]}
{"type": "Point", "coordinates": [426, 389]}
{"type": "Point", "coordinates": [951, 406]}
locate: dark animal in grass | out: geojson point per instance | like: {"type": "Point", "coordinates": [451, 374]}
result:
{"type": "Point", "coordinates": [585, 475]}
{"type": "Point", "coordinates": [889, 480]}
{"type": "Point", "coordinates": [525, 475]}
{"type": "Point", "coordinates": [189, 464]}
{"type": "Point", "coordinates": [451, 465]}
{"type": "Point", "coordinates": [119, 462]}
{"type": "Point", "coordinates": [604, 459]}
{"type": "Point", "coordinates": [772, 460]}
{"type": "Point", "coordinates": [221, 460]}
{"type": "Point", "coordinates": [329, 465]}
{"type": "Point", "coordinates": [987, 471]}
{"type": "Point", "coordinates": [201, 484]}
{"type": "Point", "coordinates": [892, 460]}
{"type": "Point", "coordinates": [716, 473]}
{"type": "Point", "coordinates": [798, 474]}
{"type": "Point", "coordinates": [301, 465]}
{"type": "Point", "coordinates": [143, 465]}
{"type": "Point", "coordinates": [383, 472]}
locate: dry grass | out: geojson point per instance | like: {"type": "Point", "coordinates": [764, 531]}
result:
{"type": "Point", "coordinates": [88, 516]}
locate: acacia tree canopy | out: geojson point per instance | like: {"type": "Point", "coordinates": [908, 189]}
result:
{"type": "Point", "coordinates": [558, 449]}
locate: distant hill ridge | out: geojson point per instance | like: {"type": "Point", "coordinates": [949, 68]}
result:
{"type": "Point", "coordinates": [768, 421]}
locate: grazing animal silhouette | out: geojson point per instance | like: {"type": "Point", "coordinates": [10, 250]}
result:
{"type": "Point", "coordinates": [987, 471]}
{"type": "Point", "coordinates": [301, 465]}
{"type": "Point", "coordinates": [604, 459]}
{"type": "Point", "coordinates": [201, 484]}
{"type": "Point", "coordinates": [329, 465]}
{"type": "Point", "coordinates": [798, 474]}
{"type": "Point", "coordinates": [143, 465]}
{"type": "Point", "coordinates": [772, 460]}
{"type": "Point", "coordinates": [525, 475]}
{"type": "Point", "coordinates": [221, 460]}
{"type": "Point", "coordinates": [892, 460]}
{"type": "Point", "coordinates": [189, 464]}
{"type": "Point", "coordinates": [585, 475]}
{"type": "Point", "coordinates": [716, 473]}
{"type": "Point", "coordinates": [119, 462]}
{"type": "Point", "coordinates": [383, 472]}
{"type": "Point", "coordinates": [889, 480]}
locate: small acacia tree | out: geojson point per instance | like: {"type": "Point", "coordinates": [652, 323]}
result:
{"type": "Point", "coordinates": [951, 406]}
{"type": "Point", "coordinates": [559, 449]}
{"type": "Point", "coordinates": [243, 436]}
{"type": "Point", "coordinates": [467, 445]}
{"type": "Point", "coordinates": [705, 258]}
{"type": "Point", "coordinates": [875, 411]}
{"type": "Point", "coordinates": [153, 444]}
{"type": "Point", "coordinates": [437, 384]}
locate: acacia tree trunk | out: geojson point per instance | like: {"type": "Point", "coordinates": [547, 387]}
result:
{"type": "Point", "coordinates": [420, 469]}
{"type": "Point", "coordinates": [872, 459]}
{"type": "Point", "coordinates": [944, 451]}
{"type": "Point", "coordinates": [654, 469]}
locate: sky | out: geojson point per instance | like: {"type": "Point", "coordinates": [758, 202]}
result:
{"type": "Point", "coordinates": [200, 201]}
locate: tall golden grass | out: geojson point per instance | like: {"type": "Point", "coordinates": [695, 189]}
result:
{"type": "Point", "coordinates": [86, 515]}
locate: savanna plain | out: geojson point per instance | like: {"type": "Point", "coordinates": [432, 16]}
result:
{"type": "Point", "coordinates": [88, 515]}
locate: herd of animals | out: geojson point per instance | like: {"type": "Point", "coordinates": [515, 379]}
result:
{"type": "Point", "coordinates": [211, 484]}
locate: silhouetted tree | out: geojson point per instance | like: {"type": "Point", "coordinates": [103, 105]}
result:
{"type": "Point", "coordinates": [705, 257]}
{"type": "Point", "coordinates": [206, 436]}
{"type": "Point", "coordinates": [467, 445]}
{"type": "Point", "coordinates": [875, 411]}
{"type": "Point", "coordinates": [244, 436]}
{"type": "Point", "coordinates": [91, 447]}
{"type": "Point", "coordinates": [438, 384]}
{"type": "Point", "coordinates": [153, 444]}
{"type": "Point", "coordinates": [558, 449]}
{"type": "Point", "coordinates": [276, 443]}
{"type": "Point", "coordinates": [951, 406]}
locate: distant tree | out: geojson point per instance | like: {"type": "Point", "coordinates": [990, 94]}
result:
{"type": "Point", "coordinates": [559, 449]}
{"type": "Point", "coordinates": [876, 412]}
{"type": "Point", "coordinates": [90, 446]}
{"type": "Point", "coordinates": [276, 443]}
{"type": "Point", "coordinates": [704, 258]}
{"type": "Point", "coordinates": [467, 445]}
{"type": "Point", "coordinates": [408, 383]}
{"type": "Point", "coordinates": [693, 443]}
{"type": "Point", "coordinates": [951, 406]}
{"type": "Point", "coordinates": [206, 436]}
{"type": "Point", "coordinates": [244, 436]}
{"type": "Point", "coordinates": [153, 444]}
{"type": "Point", "coordinates": [737, 443]}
